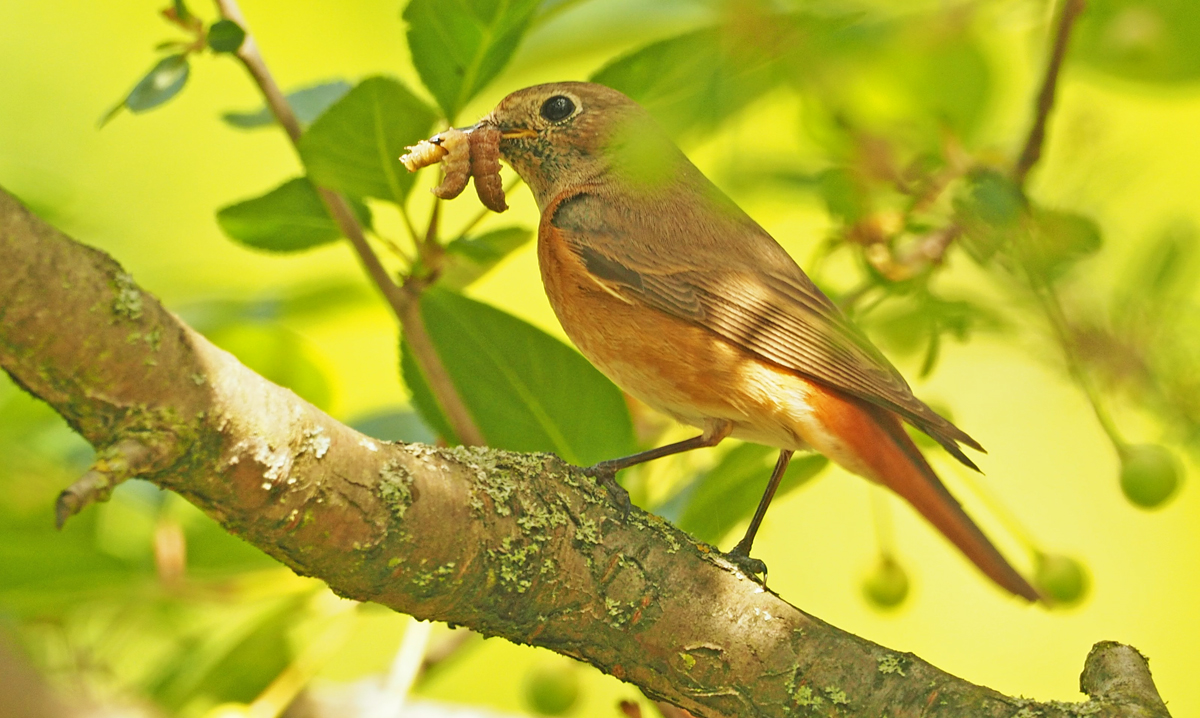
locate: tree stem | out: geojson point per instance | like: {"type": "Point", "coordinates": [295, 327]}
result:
{"type": "Point", "coordinates": [405, 303]}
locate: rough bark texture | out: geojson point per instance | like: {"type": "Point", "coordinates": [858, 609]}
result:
{"type": "Point", "coordinates": [516, 545]}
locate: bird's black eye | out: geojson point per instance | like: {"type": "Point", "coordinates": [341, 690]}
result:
{"type": "Point", "coordinates": [557, 108]}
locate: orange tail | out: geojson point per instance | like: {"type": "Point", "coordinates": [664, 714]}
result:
{"type": "Point", "coordinates": [884, 451]}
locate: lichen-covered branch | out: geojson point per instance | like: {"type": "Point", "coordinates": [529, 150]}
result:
{"type": "Point", "coordinates": [516, 545]}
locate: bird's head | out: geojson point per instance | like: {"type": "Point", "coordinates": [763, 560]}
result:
{"type": "Point", "coordinates": [564, 134]}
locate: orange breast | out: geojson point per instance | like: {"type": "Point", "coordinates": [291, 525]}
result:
{"type": "Point", "coordinates": [679, 368]}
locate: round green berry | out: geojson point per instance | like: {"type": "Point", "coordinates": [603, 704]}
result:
{"type": "Point", "coordinates": [1149, 475]}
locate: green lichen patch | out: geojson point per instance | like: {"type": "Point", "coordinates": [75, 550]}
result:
{"type": "Point", "coordinates": [805, 697]}
{"type": "Point", "coordinates": [128, 301]}
{"type": "Point", "coordinates": [588, 532]}
{"type": "Point", "coordinates": [890, 664]}
{"type": "Point", "coordinates": [395, 487]}
{"type": "Point", "coordinates": [515, 567]}
{"type": "Point", "coordinates": [836, 696]}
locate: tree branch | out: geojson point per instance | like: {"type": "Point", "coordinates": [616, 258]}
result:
{"type": "Point", "coordinates": [1032, 150]}
{"type": "Point", "coordinates": [515, 545]}
{"type": "Point", "coordinates": [405, 301]}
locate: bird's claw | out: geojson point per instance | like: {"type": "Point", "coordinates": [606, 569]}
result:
{"type": "Point", "coordinates": [752, 567]}
{"type": "Point", "coordinates": [606, 476]}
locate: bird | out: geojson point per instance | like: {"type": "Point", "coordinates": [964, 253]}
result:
{"type": "Point", "coordinates": [677, 295]}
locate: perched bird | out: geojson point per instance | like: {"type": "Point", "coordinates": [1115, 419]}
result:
{"type": "Point", "coordinates": [686, 303]}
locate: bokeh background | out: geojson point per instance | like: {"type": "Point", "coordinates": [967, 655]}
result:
{"type": "Point", "coordinates": [143, 606]}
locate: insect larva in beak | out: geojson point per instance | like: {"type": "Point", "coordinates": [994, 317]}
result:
{"type": "Point", "coordinates": [485, 167]}
{"type": "Point", "coordinates": [422, 154]}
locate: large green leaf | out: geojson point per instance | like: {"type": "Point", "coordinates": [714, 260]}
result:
{"type": "Point", "coordinates": [469, 258]}
{"type": "Point", "coordinates": [307, 103]}
{"type": "Point", "coordinates": [1143, 40]}
{"type": "Point", "coordinates": [289, 218]}
{"type": "Point", "coordinates": [695, 80]}
{"type": "Point", "coordinates": [458, 46]}
{"type": "Point", "coordinates": [526, 390]}
{"type": "Point", "coordinates": [355, 146]}
{"type": "Point", "coordinates": [718, 500]}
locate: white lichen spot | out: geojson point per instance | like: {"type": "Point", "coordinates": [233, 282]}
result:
{"type": "Point", "coordinates": [763, 614]}
{"type": "Point", "coordinates": [266, 486]}
{"type": "Point", "coordinates": [367, 444]}
{"type": "Point", "coordinates": [315, 442]}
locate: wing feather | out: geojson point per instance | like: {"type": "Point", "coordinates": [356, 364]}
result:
{"type": "Point", "coordinates": [774, 311]}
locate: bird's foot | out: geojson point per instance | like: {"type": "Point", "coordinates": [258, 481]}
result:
{"type": "Point", "coordinates": [605, 474]}
{"type": "Point", "coordinates": [752, 567]}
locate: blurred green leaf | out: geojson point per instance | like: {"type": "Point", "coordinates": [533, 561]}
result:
{"type": "Point", "coordinates": [469, 258]}
{"type": "Point", "coordinates": [355, 146]}
{"type": "Point", "coordinates": [844, 194]}
{"type": "Point", "coordinates": [289, 218]}
{"type": "Point", "coordinates": [1057, 240]}
{"type": "Point", "coordinates": [947, 76]}
{"type": "Point", "coordinates": [225, 36]}
{"type": "Point", "coordinates": [278, 354]}
{"type": "Point", "coordinates": [181, 10]}
{"type": "Point", "coordinates": [715, 502]}
{"type": "Point", "coordinates": [232, 662]}
{"type": "Point", "coordinates": [989, 210]}
{"type": "Point", "coordinates": [695, 80]}
{"type": "Point", "coordinates": [526, 390]}
{"type": "Point", "coordinates": [1154, 41]}
{"type": "Point", "coordinates": [460, 46]}
{"type": "Point", "coordinates": [395, 425]}
{"type": "Point", "coordinates": [307, 104]}
{"type": "Point", "coordinates": [163, 82]}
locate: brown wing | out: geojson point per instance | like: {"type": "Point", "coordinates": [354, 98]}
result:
{"type": "Point", "coordinates": [760, 300]}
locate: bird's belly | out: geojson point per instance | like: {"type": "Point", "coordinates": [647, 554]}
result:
{"type": "Point", "coordinates": [683, 370]}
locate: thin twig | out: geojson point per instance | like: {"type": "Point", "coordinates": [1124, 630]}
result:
{"type": "Point", "coordinates": [405, 301]}
{"type": "Point", "coordinates": [1032, 151]}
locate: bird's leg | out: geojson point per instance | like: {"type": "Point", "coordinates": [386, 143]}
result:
{"type": "Point", "coordinates": [605, 472]}
{"type": "Point", "coordinates": [741, 553]}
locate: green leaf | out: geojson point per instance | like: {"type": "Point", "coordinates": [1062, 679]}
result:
{"type": "Point", "coordinates": [989, 211]}
{"type": "Point", "coordinates": [1155, 41]}
{"type": "Point", "coordinates": [526, 390]}
{"type": "Point", "coordinates": [844, 193]}
{"type": "Point", "coordinates": [225, 36]}
{"type": "Point", "coordinates": [395, 425]}
{"type": "Point", "coordinates": [289, 218]}
{"type": "Point", "coordinates": [1058, 240]}
{"type": "Point", "coordinates": [469, 258]}
{"type": "Point", "coordinates": [163, 82]}
{"type": "Point", "coordinates": [181, 10]}
{"type": "Point", "coordinates": [710, 506]}
{"type": "Point", "coordinates": [355, 146]}
{"type": "Point", "coordinates": [695, 80]}
{"type": "Point", "coordinates": [280, 356]}
{"type": "Point", "coordinates": [308, 103]}
{"type": "Point", "coordinates": [232, 661]}
{"type": "Point", "coordinates": [458, 46]}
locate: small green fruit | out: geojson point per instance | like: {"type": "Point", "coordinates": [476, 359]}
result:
{"type": "Point", "coordinates": [1149, 475]}
{"type": "Point", "coordinates": [1063, 580]}
{"type": "Point", "coordinates": [552, 688]}
{"type": "Point", "coordinates": [887, 585]}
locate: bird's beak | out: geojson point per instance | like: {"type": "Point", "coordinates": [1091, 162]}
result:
{"type": "Point", "coordinates": [518, 133]}
{"type": "Point", "coordinates": [513, 133]}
